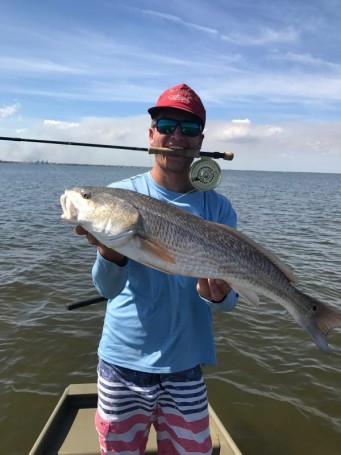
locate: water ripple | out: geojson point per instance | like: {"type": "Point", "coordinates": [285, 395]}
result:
{"type": "Point", "coordinates": [270, 379]}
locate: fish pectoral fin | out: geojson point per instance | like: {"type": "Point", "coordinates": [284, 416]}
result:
{"type": "Point", "coordinates": [250, 297]}
{"type": "Point", "coordinates": [156, 250]}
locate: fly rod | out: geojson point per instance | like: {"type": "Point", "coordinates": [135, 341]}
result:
{"type": "Point", "coordinates": [151, 150]}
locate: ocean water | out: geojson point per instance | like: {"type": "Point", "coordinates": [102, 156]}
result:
{"type": "Point", "coordinates": [276, 392]}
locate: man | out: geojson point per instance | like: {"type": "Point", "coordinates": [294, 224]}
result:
{"type": "Point", "coordinates": [158, 327]}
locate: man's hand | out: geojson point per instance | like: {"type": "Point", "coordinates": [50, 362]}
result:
{"type": "Point", "coordinates": [213, 290]}
{"type": "Point", "coordinates": [107, 253]}
{"type": "Point", "coordinates": [90, 238]}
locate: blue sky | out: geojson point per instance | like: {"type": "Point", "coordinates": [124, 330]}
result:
{"type": "Point", "coordinates": [269, 74]}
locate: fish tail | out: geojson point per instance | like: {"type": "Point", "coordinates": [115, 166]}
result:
{"type": "Point", "coordinates": [324, 319]}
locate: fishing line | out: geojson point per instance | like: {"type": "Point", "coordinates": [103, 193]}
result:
{"type": "Point", "coordinates": [205, 174]}
{"type": "Point", "coordinates": [66, 175]}
{"type": "Point", "coordinates": [182, 195]}
{"type": "Point", "coordinates": [9, 152]}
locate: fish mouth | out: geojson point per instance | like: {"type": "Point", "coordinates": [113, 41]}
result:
{"type": "Point", "coordinates": [70, 212]}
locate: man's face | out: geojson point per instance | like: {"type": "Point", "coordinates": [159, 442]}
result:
{"type": "Point", "coordinates": [176, 140]}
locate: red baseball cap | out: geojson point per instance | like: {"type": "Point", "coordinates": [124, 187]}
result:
{"type": "Point", "coordinates": [180, 97]}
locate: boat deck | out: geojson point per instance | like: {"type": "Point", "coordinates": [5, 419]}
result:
{"type": "Point", "coordinates": [74, 415]}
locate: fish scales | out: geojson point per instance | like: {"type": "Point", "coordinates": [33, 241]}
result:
{"type": "Point", "coordinates": [167, 238]}
{"type": "Point", "coordinates": [218, 254]}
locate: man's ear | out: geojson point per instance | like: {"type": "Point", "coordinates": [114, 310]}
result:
{"type": "Point", "coordinates": [151, 134]}
{"type": "Point", "coordinates": [201, 140]}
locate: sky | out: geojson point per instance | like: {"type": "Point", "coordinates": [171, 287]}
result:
{"type": "Point", "coordinates": [268, 73]}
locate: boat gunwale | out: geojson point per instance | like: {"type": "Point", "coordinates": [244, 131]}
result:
{"type": "Point", "coordinates": [78, 397]}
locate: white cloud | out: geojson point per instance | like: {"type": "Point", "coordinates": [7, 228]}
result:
{"type": "Point", "coordinates": [265, 36]}
{"type": "Point", "coordinates": [242, 131]}
{"type": "Point", "coordinates": [37, 66]}
{"type": "Point", "coordinates": [276, 64]}
{"type": "Point", "coordinates": [6, 111]}
{"type": "Point", "coordinates": [311, 147]}
{"type": "Point", "coordinates": [178, 20]}
{"type": "Point", "coordinates": [60, 125]}
{"type": "Point", "coordinates": [246, 120]}
{"type": "Point", "coordinates": [305, 147]}
{"type": "Point", "coordinates": [131, 132]}
{"type": "Point", "coordinates": [305, 59]}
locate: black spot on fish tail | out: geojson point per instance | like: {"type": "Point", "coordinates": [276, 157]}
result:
{"type": "Point", "coordinates": [323, 319]}
{"type": "Point", "coordinates": [327, 317]}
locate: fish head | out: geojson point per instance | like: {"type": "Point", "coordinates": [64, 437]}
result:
{"type": "Point", "coordinates": [99, 211]}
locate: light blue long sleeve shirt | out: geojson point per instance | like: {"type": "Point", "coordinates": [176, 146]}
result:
{"type": "Point", "coordinates": [156, 322]}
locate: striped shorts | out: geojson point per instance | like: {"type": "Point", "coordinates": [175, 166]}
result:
{"type": "Point", "coordinates": [129, 402]}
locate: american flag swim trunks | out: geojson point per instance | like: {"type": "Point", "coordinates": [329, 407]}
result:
{"type": "Point", "coordinates": [129, 402]}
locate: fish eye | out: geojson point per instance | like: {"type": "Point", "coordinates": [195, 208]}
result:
{"type": "Point", "coordinates": [86, 194]}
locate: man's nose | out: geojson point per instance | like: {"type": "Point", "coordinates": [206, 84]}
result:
{"type": "Point", "coordinates": [177, 131]}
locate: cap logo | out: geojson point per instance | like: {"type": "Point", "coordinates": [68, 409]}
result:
{"type": "Point", "coordinates": [181, 95]}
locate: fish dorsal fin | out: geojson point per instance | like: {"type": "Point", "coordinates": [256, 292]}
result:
{"type": "Point", "coordinates": [274, 259]}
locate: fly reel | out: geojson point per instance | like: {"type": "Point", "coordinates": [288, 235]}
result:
{"type": "Point", "coordinates": [205, 174]}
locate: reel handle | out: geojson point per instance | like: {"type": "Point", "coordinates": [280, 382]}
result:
{"type": "Point", "coordinates": [228, 156]}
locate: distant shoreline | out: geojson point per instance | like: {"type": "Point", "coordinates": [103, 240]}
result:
{"type": "Point", "coordinates": [47, 163]}
{"type": "Point", "coordinates": [44, 163]}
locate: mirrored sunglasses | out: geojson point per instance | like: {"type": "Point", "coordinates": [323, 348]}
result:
{"type": "Point", "coordinates": [168, 126]}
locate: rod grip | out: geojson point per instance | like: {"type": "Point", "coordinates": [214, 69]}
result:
{"type": "Point", "coordinates": [167, 151]}
{"type": "Point", "coordinates": [86, 302]}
